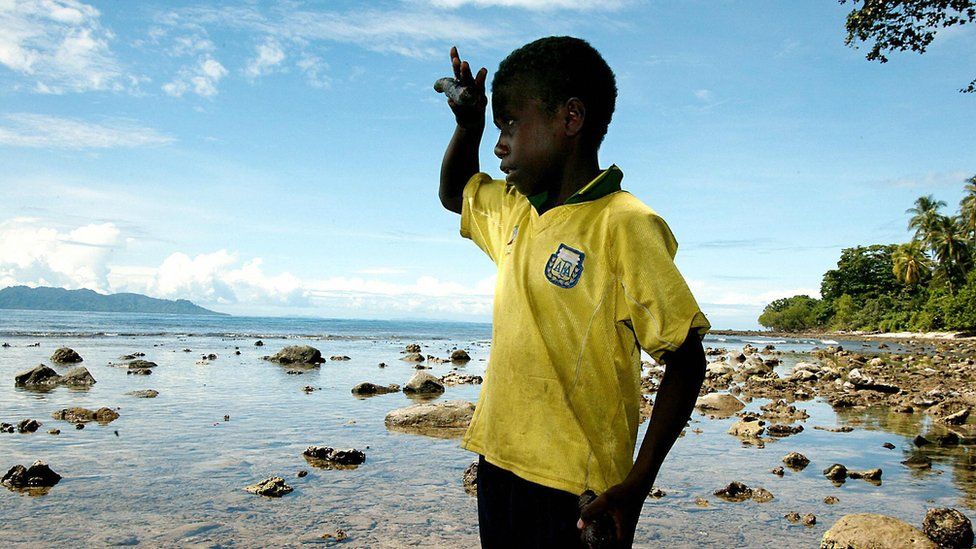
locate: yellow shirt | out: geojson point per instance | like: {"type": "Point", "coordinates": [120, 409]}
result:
{"type": "Point", "coordinates": [580, 290]}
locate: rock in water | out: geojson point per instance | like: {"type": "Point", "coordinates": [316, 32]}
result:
{"type": "Point", "coordinates": [796, 460]}
{"type": "Point", "coordinates": [146, 393]}
{"type": "Point", "coordinates": [868, 530]}
{"type": "Point", "coordinates": [720, 404]}
{"type": "Point", "coordinates": [918, 461]}
{"type": "Point", "coordinates": [38, 376]}
{"type": "Point", "coordinates": [735, 492]}
{"type": "Point", "coordinates": [272, 487]}
{"type": "Point", "coordinates": [948, 528]}
{"type": "Point", "coordinates": [598, 533]}
{"type": "Point", "coordinates": [103, 415]}
{"type": "Point", "coordinates": [460, 355]}
{"type": "Point", "coordinates": [424, 384]}
{"type": "Point", "coordinates": [28, 426]}
{"type": "Point", "coordinates": [870, 474]}
{"type": "Point", "coordinates": [455, 378]}
{"type": "Point", "coordinates": [413, 357]}
{"type": "Point", "coordinates": [324, 456]}
{"type": "Point", "coordinates": [140, 364]}
{"type": "Point", "coordinates": [369, 389]}
{"type": "Point", "coordinates": [836, 472]}
{"type": "Point", "coordinates": [762, 495]}
{"type": "Point", "coordinates": [442, 419]}
{"type": "Point", "coordinates": [64, 355]}
{"type": "Point", "coordinates": [78, 377]}
{"type": "Point", "coordinates": [38, 475]}
{"type": "Point", "coordinates": [469, 479]}
{"type": "Point", "coordinates": [298, 354]}
{"type": "Point", "coordinates": [748, 429]}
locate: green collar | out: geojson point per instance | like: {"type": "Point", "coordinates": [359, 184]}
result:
{"type": "Point", "coordinates": [607, 182]}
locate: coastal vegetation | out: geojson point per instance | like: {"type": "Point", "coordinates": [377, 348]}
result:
{"type": "Point", "coordinates": [926, 284]}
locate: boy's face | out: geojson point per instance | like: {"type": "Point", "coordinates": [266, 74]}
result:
{"type": "Point", "coordinates": [529, 142]}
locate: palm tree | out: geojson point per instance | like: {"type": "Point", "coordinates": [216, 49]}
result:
{"type": "Point", "coordinates": [909, 262]}
{"type": "Point", "coordinates": [948, 241]}
{"type": "Point", "coordinates": [967, 209]}
{"type": "Point", "coordinates": [924, 214]}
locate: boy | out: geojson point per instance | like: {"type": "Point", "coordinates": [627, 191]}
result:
{"type": "Point", "coordinates": [586, 279]}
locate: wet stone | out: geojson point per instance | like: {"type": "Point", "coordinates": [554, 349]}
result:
{"type": "Point", "coordinates": [831, 500]}
{"type": "Point", "coordinates": [735, 491]}
{"type": "Point", "coordinates": [272, 487]}
{"type": "Point", "coordinates": [331, 458]}
{"type": "Point", "coordinates": [918, 461]}
{"type": "Point", "coordinates": [836, 472]}
{"type": "Point", "coordinates": [28, 426]}
{"type": "Point", "coordinates": [65, 355]}
{"type": "Point", "coordinates": [948, 528]}
{"type": "Point", "coordinates": [796, 460]}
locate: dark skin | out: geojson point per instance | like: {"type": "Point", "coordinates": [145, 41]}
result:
{"type": "Point", "coordinates": [544, 149]}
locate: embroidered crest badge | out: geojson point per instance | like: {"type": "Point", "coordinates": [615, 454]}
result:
{"type": "Point", "coordinates": [565, 266]}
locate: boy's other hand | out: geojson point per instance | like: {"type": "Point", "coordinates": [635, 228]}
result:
{"type": "Point", "coordinates": [469, 116]}
{"type": "Point", "coordinates": [623, 504]}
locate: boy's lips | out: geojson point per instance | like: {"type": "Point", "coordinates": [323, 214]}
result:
{"type": "Point", "coordinates": [507, 170]}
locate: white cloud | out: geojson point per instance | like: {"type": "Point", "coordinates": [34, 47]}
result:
{"type": "Point", "coordinates": [219, 278]}
{"type": "Point", "coordinates": [59, 44]}
{"type": "Point", "coordinates": [704, 95]}
{"type": "Point", "coordinates": [534, 5]}
{"type": "Point", "coordinates": [929, 180]}
{"type": "Point", "coordinates": [314, 70]}
{"type": "Point", "coordinates": [190, 45]}
{"type": "Point", "coordinates": [40, 130]}
{"type": "Point", "coordinates": [269, 55]}
{"type": "Point", "coordinates": [413, 33]}
{"type": "Point", "coordinates": [201, 79]}
{"type": "Point", "coordinates": [42, 256]}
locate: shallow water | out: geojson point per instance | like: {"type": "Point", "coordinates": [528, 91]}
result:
{"type": "Point", "coordinates": [174, 474]}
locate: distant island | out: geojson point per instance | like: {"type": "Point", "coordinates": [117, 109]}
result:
{"type": "Point", "coordinates": [59, 299]}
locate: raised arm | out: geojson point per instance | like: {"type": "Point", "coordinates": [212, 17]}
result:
{"type": "Point", "coordinates": [461, 158]}
{"type": "Point", "coordinates": [683, 376]}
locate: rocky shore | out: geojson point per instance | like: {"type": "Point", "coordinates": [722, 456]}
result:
{"type": "Point", "coordinates": [791, 462]}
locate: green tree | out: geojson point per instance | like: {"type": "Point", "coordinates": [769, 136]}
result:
{"type": "Point", "coordinates": [924, 215]}
{"type": "Point", "coordinates": [902, 25]}
{"type": "Point", "coordinates": [790, 314]}
{"type": "Point", "coordinates": [967, 210]}
{"type": "Point", "coordinates": [951, 250]}
{"type": "Point", "coordinates": [862, 272]}
{"type": "Point", "coordinates": [845, 311]}
{"type": "Point", "coordinates": [910, 265]}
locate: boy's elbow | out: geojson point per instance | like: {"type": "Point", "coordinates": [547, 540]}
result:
{"type": "Point", "coordinates": [451, 203]}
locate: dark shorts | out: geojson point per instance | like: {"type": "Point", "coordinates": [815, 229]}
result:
{"type": "Point", "coordinates": [513, 512]}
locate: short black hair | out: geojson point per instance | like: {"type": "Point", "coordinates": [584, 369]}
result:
{"type": "Point", "coordinates": [558, 68]}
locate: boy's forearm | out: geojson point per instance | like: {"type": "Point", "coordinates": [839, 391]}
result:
{"type": "Point", "coordinates": [683, 376]}
{"type": "Point", "coordinates": [459, 164]}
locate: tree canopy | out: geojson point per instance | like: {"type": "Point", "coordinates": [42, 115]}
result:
{"type": "Point", "coordinates": [903, 25]}
{"type": "Point", "coordinates": [926, 284]}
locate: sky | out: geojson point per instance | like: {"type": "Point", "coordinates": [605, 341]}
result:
{"type": "Point", "coordinates": [282, 158]}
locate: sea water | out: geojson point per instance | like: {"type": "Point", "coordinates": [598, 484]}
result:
{"type": "Point", "coordinates": [170, 471]}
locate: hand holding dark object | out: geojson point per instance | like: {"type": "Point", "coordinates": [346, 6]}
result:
{"type": "Point", "coordinates": [465, 93]}
{"type": "Point", "coordinates": [608, 521]}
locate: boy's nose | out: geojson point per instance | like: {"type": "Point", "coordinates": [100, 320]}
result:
{"type": "Point", "coordinates": [501, 150]}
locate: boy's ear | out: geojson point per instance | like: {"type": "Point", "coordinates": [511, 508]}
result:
{"type": "Point", "coordinates": [575, 116]}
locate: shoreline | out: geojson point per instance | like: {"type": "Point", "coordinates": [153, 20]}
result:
{"type": "Point", "coordinates": [860, 336]}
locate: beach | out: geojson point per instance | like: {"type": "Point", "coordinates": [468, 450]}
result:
{"type": "Point", "coordinates": [171, 470]}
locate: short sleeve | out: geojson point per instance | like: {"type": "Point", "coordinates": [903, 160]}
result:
{"type": "Point", "coordinates": [652, 296]}
{"type": "Point", "coordinates": [482, 209]}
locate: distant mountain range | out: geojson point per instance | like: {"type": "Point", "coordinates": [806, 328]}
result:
{"type": "Point", "coordinates": [59, 299]}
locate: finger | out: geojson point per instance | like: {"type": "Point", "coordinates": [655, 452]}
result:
{"type": "Point", "coordinates": [580, 524]}
{"type": "Point", "coordinates": [456, 64]}
{"type": "Point", "coordinates": [596, 508]}
{"type": "Point", "coordinates": [479, 80]}
{"type": "Point", "coordinates": [466, 78]}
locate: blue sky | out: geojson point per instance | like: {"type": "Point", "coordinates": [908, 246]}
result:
{"type": "Point", "coordinates": [282, 158]}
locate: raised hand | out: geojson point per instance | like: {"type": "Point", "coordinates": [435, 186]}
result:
{"type": "Point", "coordinates": [470, 113]}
